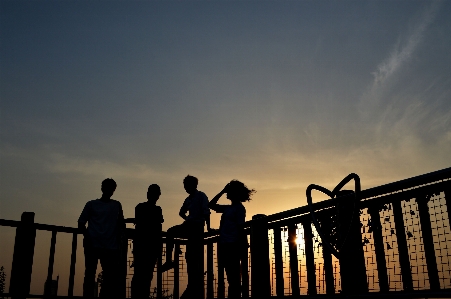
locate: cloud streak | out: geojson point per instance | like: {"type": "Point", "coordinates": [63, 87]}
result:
{"type": "Point", "coordinates": [401, 55]}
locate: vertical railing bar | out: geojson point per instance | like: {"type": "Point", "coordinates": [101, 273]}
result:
{"type": "Point", "coordinates": [404, 261]}
{"type": "Point", "coordinates": [278, 261]}
{"type": "Point", "coordinates": [221, 286]}
{"type": "Point", "coordinates": [309, 256]}
{"type": "Point", "coordinates": [176, 292]}
{"type": "Point", "coordinates": [22, 263]}
{"type": "Point", "coordinates": [379, 248]}
{"type": "Point", "coordinates": [51, 262]}
{"type": "Point", "coordinates": [327, 255]}
{"type": "Point", "coordinates": [160, 277]}
{"type": "Point", "coordinates": [328, 271]}
{"type": "Point", "coordinates": [294, 270]}
{"type": "Point", "coordinates": [245, 271]}
{"type": "Point", "coordinates": [210, 274]}
{"type": "Point", "coordinates": [73, 260]}
{"type": "Point", "coordinates": [428, 241]}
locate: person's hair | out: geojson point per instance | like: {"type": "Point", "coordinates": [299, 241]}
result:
{"type": "Point", "coordinates": [109, 184]}
{"type": "Point", "coordinates": [243, 192]}
{"type": "Point", "coordinates": [190, 180]}
{"type": "Point", "coordinates": [153, 188]}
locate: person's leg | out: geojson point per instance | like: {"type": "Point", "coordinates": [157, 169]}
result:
{"type": "Point", "coordinates": [150, 268]}
{"type": "Point", "coordinates": [137, 275]}
{"type": "Point", "coordinates": [109, 260]}
{"type": "Point", "coordinates": [144, 264]}
{"type": "Point", "coordinates": [232, 268]}
{"type": "Point", "coordinates": [194, 259]}
{"type": "Point", "coordinates": [91, 260]}
{"type": "Point", "coordinates": [181, 230]}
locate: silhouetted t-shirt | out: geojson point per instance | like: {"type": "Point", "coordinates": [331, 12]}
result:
{"type": "Point", "coordinates": [233, 216]}
{"type": "Point", "coordinates": [197, 207]}
{"type": "Point", "coordinates": [102, 218]}
{"type": "Point", "coordinates": [148, 220]}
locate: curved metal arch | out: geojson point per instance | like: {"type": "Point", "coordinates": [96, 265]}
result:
{"type": "Point", "coordinates": [333, 194]}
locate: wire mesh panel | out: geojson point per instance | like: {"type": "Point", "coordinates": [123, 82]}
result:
{"type": "Point", "coordinates": [391, 247]}
{"type": "Point", "coordinates": [442, 237]}
{"type": "Point", "coordinates": [272, 263]}
{"type": "Point", "coordinates": [167, 276]}
{"type": "Point", "coordinates": [369, 250]}
{"type": "Point", "coordinates": [415, 245]}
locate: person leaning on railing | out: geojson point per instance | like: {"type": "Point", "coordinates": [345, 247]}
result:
{"type": "Point", "coordinates": [232, 239]}
{"type": "Point", "coordinates": [101, 241]}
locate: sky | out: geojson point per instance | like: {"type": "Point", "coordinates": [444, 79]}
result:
{"type": "Point", "coordinates": [276, 94]}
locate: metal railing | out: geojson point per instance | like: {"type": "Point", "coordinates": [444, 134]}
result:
{"type": "Point", "coordinates": [402, 248]}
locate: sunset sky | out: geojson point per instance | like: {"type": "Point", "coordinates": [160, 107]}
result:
{"type": "Point", "coordinates": [277, 94]}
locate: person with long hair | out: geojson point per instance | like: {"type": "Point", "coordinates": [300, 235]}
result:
{"type": "Point", "coordinates": [232, 239]}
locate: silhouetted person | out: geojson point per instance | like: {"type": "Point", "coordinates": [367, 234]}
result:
{"type": "Point", "coordinates": [232, 240]}
{"type": "Point", "coordinates": [147, 243]}
{"type": "Point", "coordinates": [102, 241]}
{"type": "Point", "coordinates": [196, 205]}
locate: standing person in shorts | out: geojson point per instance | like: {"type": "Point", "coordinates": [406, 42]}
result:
{"type": "Point", "coordinates": [147, 242]}
{"type": "Point", "coordinates": [232, 239]}
{"type": "Point", "coordinates": [102, 240]}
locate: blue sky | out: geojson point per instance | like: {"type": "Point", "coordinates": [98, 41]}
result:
{"type": "Point", "coordinates": [277, 94]}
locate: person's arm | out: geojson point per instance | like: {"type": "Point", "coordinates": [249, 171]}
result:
{"type": "Point", "coordinates": [213, 204]}
{"type": "Point", "coordinates": [137, 214]}
{"type": "Point", "coordinates": [184, 210]}
{"type": "Point", "coordinates": [161, 214]}
{"type": "Point", "coordinates": [121, 219]}
{"type": "Point", "coordinates": [84, 217]}
{"type": "Point", "coordinates": [207, 217]}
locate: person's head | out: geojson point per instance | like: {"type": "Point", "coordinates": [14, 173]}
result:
{"type": "Point", "coordinates": [190, 184]}
{"type": "Point", "coordinates": [238, 192]}
{"type": "Point", "coordinates": [153, 193]}
{"type": "Point", "coordinates": [108, 187]}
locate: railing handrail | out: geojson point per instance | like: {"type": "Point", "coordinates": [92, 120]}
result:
{"type": "Point", "coordinates": [410, 183]}
{"type": "Point", "coordinates": [414, 182]}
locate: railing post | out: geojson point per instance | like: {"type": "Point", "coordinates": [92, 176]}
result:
{"type": "Point", "coordinates": [160, 278]}
{"type": "Point", "coordinates": [48, 282]}
{"type": "Point", "coordinates": [379, 248]}
{"type": "Point", "coordinates": [73, 260]}
{"type": "Point", "coordinates": [428, 240]}
{"type": "Point", "coordinates": [310, 258]}
{"type": "Point", "coordinates": [278, 261]}
{"type": "Point", "coordinates": [123, 266]}
{"type": "Point", "coordinates": [326, 227]}
{"type": "Point", "coordinates": [245, 271]}
{"type": "Point", "coordinates": [261, 274]}
{"type": "Point", "coordinates": [404, 260]}
{"type": "Point", "coordinates": [221, 286]}
{"type": "Point", "coordinates": [210, 276]}
{"type": "Point", "coordinates": [294, 270]}
{"type": "Point", "coordinates": [352, 256]}
{"type": "Point", "coordinates": [22, 264]}
{"type": "Point", "coordinates": [176, 292]}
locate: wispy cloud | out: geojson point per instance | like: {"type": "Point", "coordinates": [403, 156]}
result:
{"type": "Point", "coordinates": [402, 53]}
